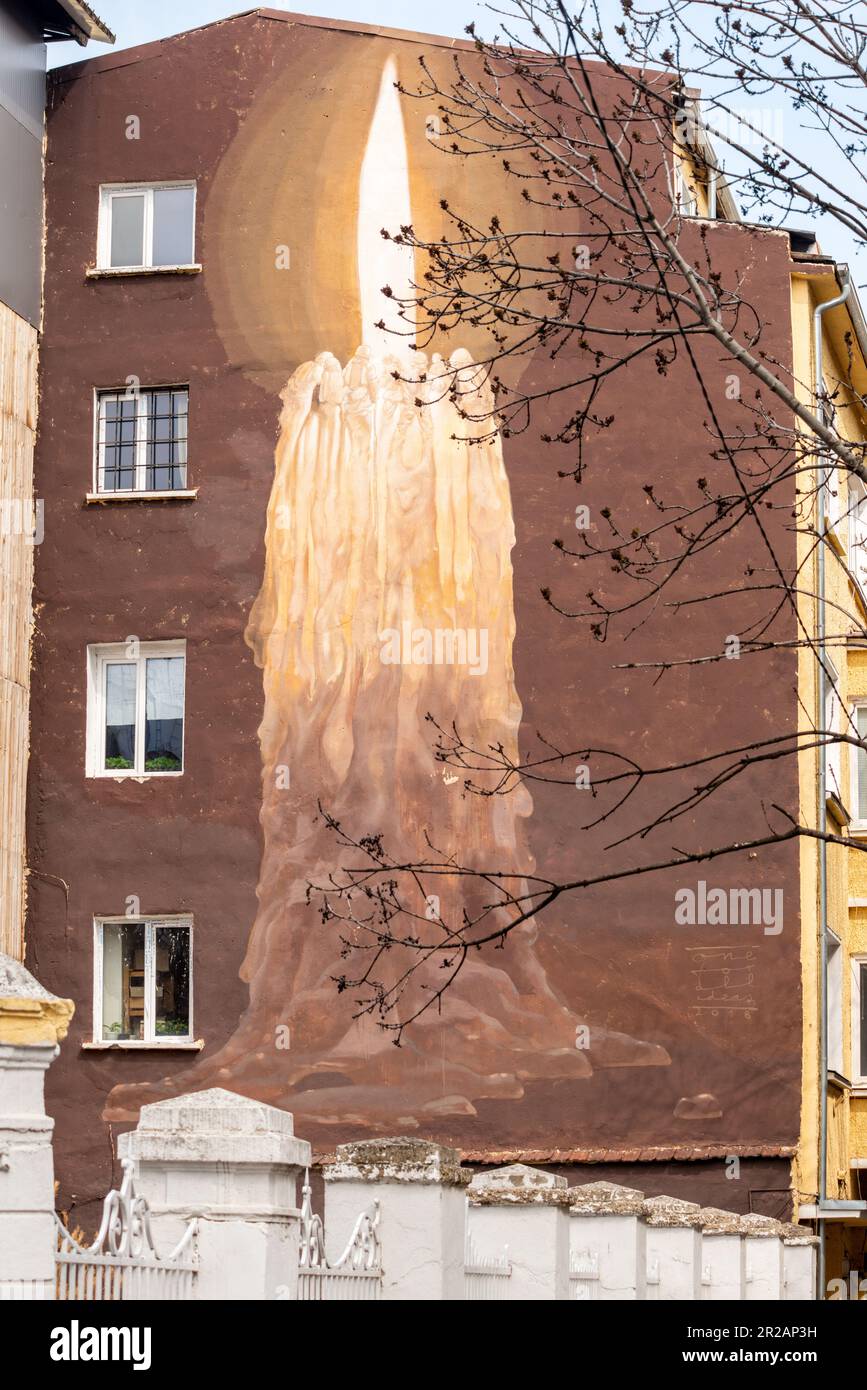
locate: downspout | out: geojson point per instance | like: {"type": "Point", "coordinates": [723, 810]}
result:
{"type": "Point", "coordinates": [711, 192]}
{"type": "Point", "coordinates": [819, 391]}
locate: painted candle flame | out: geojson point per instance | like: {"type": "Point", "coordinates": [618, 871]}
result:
{"type": "Point", "coordinates": [384, 203]}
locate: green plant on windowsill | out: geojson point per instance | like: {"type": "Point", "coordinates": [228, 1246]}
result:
{"type": "Point", "coordinates": [116, 764]}
{"type": "Point", "coordinates": [171, 1027]}
{"type": "Point", "coordinates": [163, 763]}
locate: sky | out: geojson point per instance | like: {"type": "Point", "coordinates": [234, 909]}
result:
{"type": "Point", "coordinates": [134, 23]}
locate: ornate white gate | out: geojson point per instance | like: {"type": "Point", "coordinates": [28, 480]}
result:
{"type": "Point", "coordinates": [356, 1276]}
{"type": "Point", "coordinates": [123, 1263]}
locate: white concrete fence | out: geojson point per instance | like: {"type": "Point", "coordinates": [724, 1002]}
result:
{"type": "Point", "coordinates": [211, 1208]}
{"type": "Point", "coordinates": [550, 1241]}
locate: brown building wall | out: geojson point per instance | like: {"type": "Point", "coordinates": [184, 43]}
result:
{"type": "Point", "coordinates": [270, 119]}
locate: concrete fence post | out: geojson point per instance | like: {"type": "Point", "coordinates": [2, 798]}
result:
{"type": "Point", "coordinates": [525, 1210]}
{"type": "Point", "coordinates": [234, 1163]}
{"type": "Point", "coordinates": [607, 1234]}
{"type": "Point", "coordinates": [799, 1262]}
{"type": "Point", "coordinates": [32, 1023]}
{"type": "Point", "coordinates": [420, 1188]}
{"type": "Point", "coordinates": [764, 1258]}
{"type": "Point", "coordinates": [723, 1255]}
{"type": "Point", "coordinates": [673, 1249]}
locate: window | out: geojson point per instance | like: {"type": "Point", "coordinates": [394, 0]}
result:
{"type": "Point", "coordinates": [685, 197]}
{"type": "Point", "coordinates": [141, 440]}
{"type": "Point", "coordinates": [135, 709]}
{"type": "Point", "coordinates": [143, 980]}
{"type": "Point", "coordinates": [859, 1020]}
{"type": "Point", "coordinates": [834, 960]}
{"type": "Point", "coordinates": [858, 760]}
{"type": "Point", "coordinates": [146, 226]}
{"type": "Point", "coordinates": [832, 510]}
{"type": "Point", "coordinates": [862, 1017]}
{"type": "Point", "coordinates": [832, 725]}
{"type": "Point", "coordinates": [858, 531]}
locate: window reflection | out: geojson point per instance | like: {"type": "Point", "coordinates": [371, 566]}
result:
{"type": "Point", "coordinates": [127, 230]}
{"type": "Point", "coordinates": [164, 723]}
{"type": "Point", "coordinates": [123, 982]}
{"type": "Point", "coordinates": [120, 683]}
{"type": "Point", "coordinates": [172, 980]}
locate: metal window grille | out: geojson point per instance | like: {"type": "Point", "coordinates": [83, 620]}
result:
{"type": "Point", "coordinates": [142, 440]}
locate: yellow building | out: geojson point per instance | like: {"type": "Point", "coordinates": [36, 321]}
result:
{"type": "Point", "coordinates": [830, 347]}
{"type": "Point", "coordinates": [829, 375]}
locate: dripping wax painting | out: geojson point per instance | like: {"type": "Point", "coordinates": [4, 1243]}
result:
{"type": "Point", "coordinates": [389, 522]}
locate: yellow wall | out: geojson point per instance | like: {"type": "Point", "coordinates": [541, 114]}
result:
{"type": "Point", "coordinates": [846, 625]}
{"type": "Point", "coordinates": [805, 1177]}
{"type": "Point", "coordinates": [849, 872]}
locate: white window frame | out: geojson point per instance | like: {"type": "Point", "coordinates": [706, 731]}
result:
{"type": "Point", "coordinates": [832, 508]}
{"type": "Point", "coordinates": [857, 496]}
{"type": "Point", "coordinates": [140, 397]}
{"type": "Point", "coordinates": [685, 197]}
{"type": "Point", "coordinates": [857, 822]}
{"type": "Point", "coordinates": [107, 193]}
{"type": "Point", "coordinates": [151, 1038]}
{"type": "Point", "coordinates": [856, 963]}
{"type": "Point", "coordinates": [836, 1002]}
{"type": "Point", "coordinates": [99, 657]}
{"type": "Point", "coordinates": [832, 724]}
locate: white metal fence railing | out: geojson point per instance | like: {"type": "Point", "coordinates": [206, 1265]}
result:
{"type": "Point", "coordinates": [338, 1286]}
{"type": "Point", "coordinates": [356, 1276]}
{"type": "Point", "coordinates": [123, 1263]}
{"type": "Point", "coordinates": [584, 1276]}
{"type": "Point", "coordinates": [486, 1277]}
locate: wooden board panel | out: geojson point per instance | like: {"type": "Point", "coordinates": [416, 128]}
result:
{"type": "Point", "coordinates": [18, 353]}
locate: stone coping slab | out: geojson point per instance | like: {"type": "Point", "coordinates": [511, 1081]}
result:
{"type": "Point", "coordinates": [605, 1199]}
{"type": "Point", "coordinates": [29, 1014]}
{"type": "Point", "coordinates": [670, 1212]}
{"type": "Point", "coordinates": [214, 1126]}
{"type": "Point", "coordinates": [716, 1222]}
{"type": "Point", "coordinates": [518, 1185]}
{"type": "Point", "coordinates": [401, 1159]}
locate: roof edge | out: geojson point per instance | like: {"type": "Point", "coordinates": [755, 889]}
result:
{"type": "Point", "coordinates": [86, 21]}
{"type": "Point", "coordinates": [140, 52]}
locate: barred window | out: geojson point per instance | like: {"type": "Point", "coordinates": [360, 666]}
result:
{"type": "Point", "coordinates": [142, 440]}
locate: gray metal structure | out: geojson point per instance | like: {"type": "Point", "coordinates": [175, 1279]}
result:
{"type": "Point", "coordinates": [25, 28]}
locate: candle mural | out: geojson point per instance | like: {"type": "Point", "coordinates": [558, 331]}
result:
{"type": "Point", "coordinates": [388, 595]}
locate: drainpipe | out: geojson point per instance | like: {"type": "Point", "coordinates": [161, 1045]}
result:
{"type": "Point", "coordinates": [711, 191]}
{"type": "Point", "coordinates": [819, 390]}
